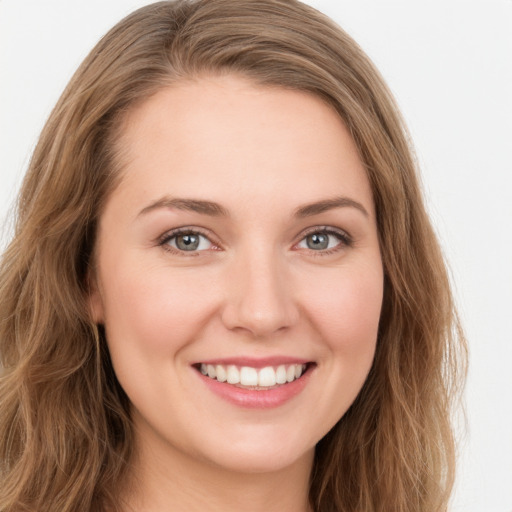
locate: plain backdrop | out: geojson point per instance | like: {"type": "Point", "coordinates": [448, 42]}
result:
{"type": "Point", "coordinates": [449, 64]}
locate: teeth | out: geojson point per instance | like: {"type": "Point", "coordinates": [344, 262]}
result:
{"type": "Point", "coordinates": [233, 375]}
{"type": "Point", "coordinates": [251, 377]}
{"type": "Point", "coordinates": [221, 373]}
{"type": "Point", "coordinates": [281, 374]}
{"type": "Point", "coordinates": [248, 376]}
{"type": "Point", "coordinates": [267, 377]}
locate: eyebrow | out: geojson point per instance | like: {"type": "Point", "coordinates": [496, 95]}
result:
{"type": "Point", "coordinates": [216, 210]}
{"type": "Point", "coordinates": [318, 207]}
{"type": "Point", "coordinates": [190, 205]}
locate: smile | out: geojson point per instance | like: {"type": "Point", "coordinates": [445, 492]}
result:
{"type": "Point", "coordinates": [254, 378]}
{"type": "Point", "coordinates": [256, 384]}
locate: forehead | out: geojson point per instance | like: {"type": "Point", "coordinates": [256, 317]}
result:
{"type": "Point", "coordinates": [224, 136]}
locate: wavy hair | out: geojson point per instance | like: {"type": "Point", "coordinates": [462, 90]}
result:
{"type": "Point", "coordinates": [65, 432]}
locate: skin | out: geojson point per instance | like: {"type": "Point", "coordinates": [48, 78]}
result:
{"type": "Point", "coordinates": [253, 289]}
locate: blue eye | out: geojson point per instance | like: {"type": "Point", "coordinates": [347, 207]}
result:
{"type": "Point", "coordinates": [187, 241]}
{"type": "Point", "coordinates": [324, 240]}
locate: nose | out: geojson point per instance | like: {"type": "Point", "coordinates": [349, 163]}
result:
{"type": "Point", "coordinates": [260, 298]}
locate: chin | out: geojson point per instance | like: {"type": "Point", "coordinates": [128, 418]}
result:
{"type": "Point", "coordinates": [265, 451]}
{"type": "Point", "coordinates": [245, 461]}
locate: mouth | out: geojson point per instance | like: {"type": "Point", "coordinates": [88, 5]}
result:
{"type": "Point", "coordinates": [256, 383]}
{"type": "Point", "coordinates": [252, 378]}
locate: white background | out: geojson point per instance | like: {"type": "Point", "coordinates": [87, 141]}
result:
{"type": "Point", "coordinates": [449, 63]}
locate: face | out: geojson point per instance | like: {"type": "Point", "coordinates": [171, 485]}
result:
{"type": "Point", "coordinates": [238, 273]}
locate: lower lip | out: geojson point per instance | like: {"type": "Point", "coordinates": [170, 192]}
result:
{"type": "Point", "coordinates": [257, 399]}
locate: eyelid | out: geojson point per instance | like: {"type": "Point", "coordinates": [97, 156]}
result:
{"type": "Point", "coordinates": [163, 240]}
{"type": "Point", "coordinates": [345, 238]}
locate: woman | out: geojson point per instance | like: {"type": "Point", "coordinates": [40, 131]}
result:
{"type": "Point", "coordinates": [223, 290]}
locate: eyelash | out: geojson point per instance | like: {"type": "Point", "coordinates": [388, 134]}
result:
{"type": "Point", "coordinates": [344, 238]}
{"type": "Point", "coordinates": [167, 237]}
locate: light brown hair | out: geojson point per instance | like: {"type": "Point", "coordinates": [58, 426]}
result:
{"type": "Point", "coordinates": [65, 431]}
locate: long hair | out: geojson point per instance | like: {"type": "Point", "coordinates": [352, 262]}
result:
{"type": "Point", "coordinates": [65, 432]}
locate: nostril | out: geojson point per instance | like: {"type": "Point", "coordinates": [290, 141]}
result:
{"type": "Point", "coordinates": [259, 321]}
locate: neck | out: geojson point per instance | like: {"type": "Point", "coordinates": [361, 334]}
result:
{"type": "Point", "coordinates": [160, 483]}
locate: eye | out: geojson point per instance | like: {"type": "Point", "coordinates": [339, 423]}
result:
{"type": "Point", "coordinates": [327, 240]}
{"type": "Point", "coordinates": [186, 241]}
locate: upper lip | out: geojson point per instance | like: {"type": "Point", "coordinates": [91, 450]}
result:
{"type": "Point", "coordinates": [255, 362]}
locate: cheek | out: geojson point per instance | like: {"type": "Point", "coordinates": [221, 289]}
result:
{"type": "Point", "coordinates": [346, 310]}
{"type": "Point", "coordinates": [154, 312]}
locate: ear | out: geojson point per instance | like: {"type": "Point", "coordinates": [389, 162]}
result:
{"type": "Point", "coordinates": [94, 299]}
